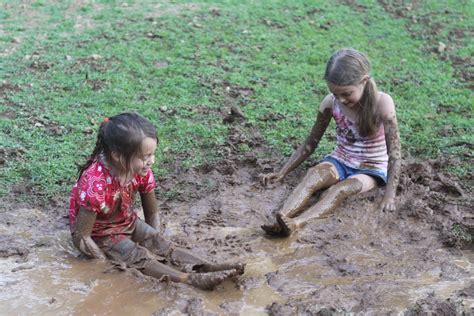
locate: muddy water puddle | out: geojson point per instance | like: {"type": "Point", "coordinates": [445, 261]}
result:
{"type": "Point", "coordinates": [359, 260]}
{"type": "Point", "coordinates": [55, 281]}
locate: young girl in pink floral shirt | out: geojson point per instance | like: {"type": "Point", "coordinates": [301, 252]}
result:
{"type": "Point", "coordinates": [103, 221]}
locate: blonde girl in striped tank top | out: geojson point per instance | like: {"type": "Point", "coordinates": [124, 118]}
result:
{"type": "Point", "coordinates": [367, 152]}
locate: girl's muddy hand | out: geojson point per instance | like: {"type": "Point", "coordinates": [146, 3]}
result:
{"type": "Point", "coordinates": [271, 178]}
{"type": "Point", "coordinates": [92, 249]}
{"type": "Point", "coordinates": [388, 204]}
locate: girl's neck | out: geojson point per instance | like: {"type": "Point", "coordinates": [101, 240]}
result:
{"type": "Point", "coordinates": [115, 171]}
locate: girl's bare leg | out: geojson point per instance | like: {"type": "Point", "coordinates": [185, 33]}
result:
{"type": "Point", "coordinates": [319, 177]}
{"type": "Point", "coordinates": [329, 201]}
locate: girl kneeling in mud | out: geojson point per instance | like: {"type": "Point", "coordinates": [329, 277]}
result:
{"type": "Point", "coordinates": [103, 222]}
{"type": "Point", "coordinates": [367, 145]}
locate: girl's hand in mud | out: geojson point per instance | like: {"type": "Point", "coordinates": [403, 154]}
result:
{"type": "Point", "coordinates": [271, 178]}
{"type": "Point", "coordinates": [155, 222]}
{"type": "Point", "coordinates": [388, 205]}
{"type": "Point", "coordinates": [90, 248]}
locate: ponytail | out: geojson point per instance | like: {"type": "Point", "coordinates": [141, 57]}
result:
{"type": "Point", "coordinates": [98, 149]}
{"type": "Point", "coordinates": [369, 119]}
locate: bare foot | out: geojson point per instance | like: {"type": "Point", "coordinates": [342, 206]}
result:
{"type": "Point", "coordinates": [208, 281]}
{"type": "Point", "coordinates": [213, 267]}
{"type": "Point", "coordinates": [272, 229]}
{"type": "Point", "coordinates": [287, 225]}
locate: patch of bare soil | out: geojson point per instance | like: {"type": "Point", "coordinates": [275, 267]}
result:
{"type": "Point", "coordinates": [414, 260]}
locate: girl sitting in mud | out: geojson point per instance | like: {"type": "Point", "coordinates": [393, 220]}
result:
{"type": "Point", "coordinates": [103, 222]}
{"type": "Point", "coordinates": [367, 145]}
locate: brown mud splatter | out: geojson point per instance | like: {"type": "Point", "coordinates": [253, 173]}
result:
{"type": "Point", "coordinates": [416, 259]}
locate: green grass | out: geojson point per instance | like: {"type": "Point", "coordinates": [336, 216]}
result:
{"type": "Point", "coordinates": [71, 65]}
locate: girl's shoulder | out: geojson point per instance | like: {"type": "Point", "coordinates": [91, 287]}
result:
{"type": "Point", "coordinates": [327, 102]}
{"type": "Point", "coordinates": [385, 104]}
{"type": "Point", "coordinates": [96, 170]}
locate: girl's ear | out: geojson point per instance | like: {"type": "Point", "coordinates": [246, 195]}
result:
{"type": "Point", "coordinates": [115, 157]}
{"type": "Point", "coordinates": [365, 79]}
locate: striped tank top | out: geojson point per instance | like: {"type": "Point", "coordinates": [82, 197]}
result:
{"type": "Point", "coordinates": [354, 150]}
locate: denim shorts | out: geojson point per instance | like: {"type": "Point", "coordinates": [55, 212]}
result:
{"type": "Point", "coordinates": [345, 172]}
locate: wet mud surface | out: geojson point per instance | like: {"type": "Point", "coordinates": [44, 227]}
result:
{"type": "Point", "coordinates": [415, 260]}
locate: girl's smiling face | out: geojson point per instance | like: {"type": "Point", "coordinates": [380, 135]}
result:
{"type": "Point", "coordinates": [143, 161]}
{"type": "Point", "coordinates": [348, 95]}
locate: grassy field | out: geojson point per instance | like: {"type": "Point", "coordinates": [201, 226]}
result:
{"type": "Point", "coordinates": [65, 65]}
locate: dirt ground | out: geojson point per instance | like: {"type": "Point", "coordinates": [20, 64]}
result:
{"type": "Point", "coordinates": [415, 260]}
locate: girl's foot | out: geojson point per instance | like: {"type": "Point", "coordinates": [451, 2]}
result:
{"type": "Point", "coordinates": [214, 267]}
{"type": "Point", "coordinates": [208, 281]}
{"type": "Point", "coordinates": [286, 224]}
{"type": "Point", "coordinates": [272, 229]}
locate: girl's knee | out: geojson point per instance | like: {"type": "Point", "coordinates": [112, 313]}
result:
{"type": "Point", "coordinates": [368, 182]}
{"type": "Point", "coordinates": [323, 170]}
{"type": "Point", "coordinates": [347, 187]}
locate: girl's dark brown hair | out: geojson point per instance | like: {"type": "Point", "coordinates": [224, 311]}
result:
{"type": "Point", "coordinates": [348, 67]}
{"type": "Point", "coordinates": [122, 134]}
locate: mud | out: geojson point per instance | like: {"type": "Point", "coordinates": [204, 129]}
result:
{"type": "Point", "coordinates": [414, 260]}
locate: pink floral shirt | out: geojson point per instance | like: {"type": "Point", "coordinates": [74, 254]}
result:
{"type": "Point", "coordinates": [99, 191]}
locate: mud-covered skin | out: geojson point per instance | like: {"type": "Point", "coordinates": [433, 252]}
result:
{"type": "Point", "coordinates": [201, 280]}
{"type": "Point", "coordinates": [208, 281]}
{"type": "Point", "coordinates": [305, 150]}
{"type": "Point", "coordinates": [150, 209]}
{"type": "Point", "coordinates": [239, 267]}
{"type": "Point", "coordinates": [392, 138]}
{"type": "Point", "coordinates": [81, 236]}
{"type": "Point", "coordinates": [331, 199]}
{"type": "Point", "coordinates": [293, 206]}
{"type": "Point", "coordinates": [318, 177]}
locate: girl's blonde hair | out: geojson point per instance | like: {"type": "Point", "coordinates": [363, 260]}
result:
{"type": "Point", "coordinates": [348, 67]}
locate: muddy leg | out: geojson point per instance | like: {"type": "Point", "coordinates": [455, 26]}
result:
{"type": "Point", "coordinates": [319, 177]}
{"type": "Point", "coordinates": [329, 201]}
{"type": "Point", "coordinates": [149, 238]}
{"type": "Point", "coordinates": [207, 281]}
{"type": "Point", "coordinates": [192, 262]}
{"type": "Point", "coordinates": [204, 281]}
{"type": "Point", "coordinates": [144, 260]}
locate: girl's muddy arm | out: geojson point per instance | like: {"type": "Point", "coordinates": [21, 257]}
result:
{"type": "Point", "coordinates": [304, 150]}
{"type": "Point", "coordinates": [392, 138]}
{"type": "Point", "coordinates": [81, 236]}
{"type": "Point", "coordinates": [310, 144]}
{"type": "Point", "coordinates": [150, 209]}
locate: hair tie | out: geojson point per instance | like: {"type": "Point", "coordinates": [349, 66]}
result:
{"type": "Point", "coordinates": [106, 120]}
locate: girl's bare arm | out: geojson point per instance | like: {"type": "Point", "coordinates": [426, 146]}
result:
{"type": "Point", "coordinates": [392, 138]}
{"type": "Point", "coordinates": [81, 236]}
{"type": "Point", "coordinates": [150, 209]}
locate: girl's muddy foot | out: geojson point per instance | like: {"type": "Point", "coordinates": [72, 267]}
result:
{"type": "Point", "coordinates": [208, 281]}
{"type": "Point", "coordinates": [214, 267]}
{"type": "Point", "coordinates": [272, 229]}
{"type": "Point", "coordinates": [286, 224]}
